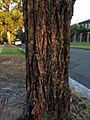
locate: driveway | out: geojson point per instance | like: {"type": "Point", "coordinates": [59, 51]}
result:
{"type": "Point", "coordinates": [80, 66]}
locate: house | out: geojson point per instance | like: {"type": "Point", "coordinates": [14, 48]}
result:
{"type": "Point", "coordinates": [85, 24]}
{"type": "Point", "coordinates": [83, 32]}
{"type": "Point", "coordinates": [85, 36]}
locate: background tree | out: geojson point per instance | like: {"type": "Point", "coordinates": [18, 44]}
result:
{"type": "Point", "coordinates": [21, 35]}
{"type": "Point", "coordinates": [11, 18]}
{"type": "Point", "coordinates": [47, 24]}
{"type": "Point", "coordinates": [76, 29]}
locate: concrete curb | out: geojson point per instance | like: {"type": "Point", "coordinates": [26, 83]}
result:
{"type": "Point", "coordinates": [22, 49]}
{"type": "Point", "coordinates": [80, 88]}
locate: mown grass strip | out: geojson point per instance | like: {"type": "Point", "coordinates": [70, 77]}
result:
{"type": "Point", "coordinates": [12, 51]}
{"type": "Point", "coordinates": [80, 45]}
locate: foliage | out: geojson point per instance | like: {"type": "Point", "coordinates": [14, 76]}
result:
{"type": "Point", "coordinates": [11, 17]}
{"type": "Point", "coordinates": [76, 28]}
{"type": "Point", "coordinates": [21, 35]}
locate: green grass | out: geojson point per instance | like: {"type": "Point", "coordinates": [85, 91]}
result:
{"type": "Point", "coordinates": [80, 45]}
{"type": "Point", "coordinates": [12, 51]}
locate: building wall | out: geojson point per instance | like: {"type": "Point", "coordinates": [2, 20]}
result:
{"type": "Point", "coordinates": [86, 25]}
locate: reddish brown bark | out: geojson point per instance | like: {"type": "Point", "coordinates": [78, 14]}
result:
{"type": "Point", "coordinates": [47, 24]}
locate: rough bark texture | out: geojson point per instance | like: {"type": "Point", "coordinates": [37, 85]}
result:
{"type": "Point", "coordinates": [47, 24]}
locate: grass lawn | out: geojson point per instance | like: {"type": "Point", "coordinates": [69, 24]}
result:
{"type": "Point", "coordinates": [80, 45]}
{"type": "Point", "coordinates": [12, 51]}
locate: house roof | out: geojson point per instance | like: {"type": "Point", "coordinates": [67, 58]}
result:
{"type": "Point", "coordinates": [86, 21]}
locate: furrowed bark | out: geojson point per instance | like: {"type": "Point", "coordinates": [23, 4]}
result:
{"type": "Point", "coordinates": [47, 24]}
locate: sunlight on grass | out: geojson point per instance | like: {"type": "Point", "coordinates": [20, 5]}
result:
{"type": "Point", "coordinates": [12, 51]}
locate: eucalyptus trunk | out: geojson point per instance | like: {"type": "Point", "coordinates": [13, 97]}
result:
{"type": "Point", "coordinates": [47, 24]}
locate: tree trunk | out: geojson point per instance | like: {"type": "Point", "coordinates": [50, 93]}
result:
{"type": "Point", "coordinates": [74, 37]}
{"type": "Point", "coordinates": [8, 38]}
{"type": "Point", "coordinates": [47, 24]}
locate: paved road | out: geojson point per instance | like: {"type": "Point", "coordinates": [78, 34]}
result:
{"type": "Point", "coordinates": [80, 66]}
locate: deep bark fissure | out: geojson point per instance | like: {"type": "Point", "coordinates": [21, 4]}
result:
{"type": "Point", "coordinates": [47, 54]}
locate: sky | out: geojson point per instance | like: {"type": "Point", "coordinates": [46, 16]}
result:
{"type": "Point", "coordinates": [81, 11]}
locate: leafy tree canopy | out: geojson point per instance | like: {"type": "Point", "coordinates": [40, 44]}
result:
{"type": "Point", "coordinates": [11, 18]}
{"type": "Point", "coordinates": [76, 28]}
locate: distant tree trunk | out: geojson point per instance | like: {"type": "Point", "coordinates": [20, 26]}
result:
{"type": "Point", "coordinates": [88, 34]}
{"type": "Point", "coordinates": [47, 24]}
{"type": "Point", "coordinates": [74, 37]}
{"type": "Point", "coordinates": [8, 38]}
{"type": "Point", "coordinates": [81, 37]}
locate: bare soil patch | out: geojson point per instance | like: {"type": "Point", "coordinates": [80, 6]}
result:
{"type": "Point", "coordinates": [12, 87]}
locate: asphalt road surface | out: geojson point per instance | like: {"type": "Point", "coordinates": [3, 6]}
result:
{"type": "Point", "coordinates": [80, 66]}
